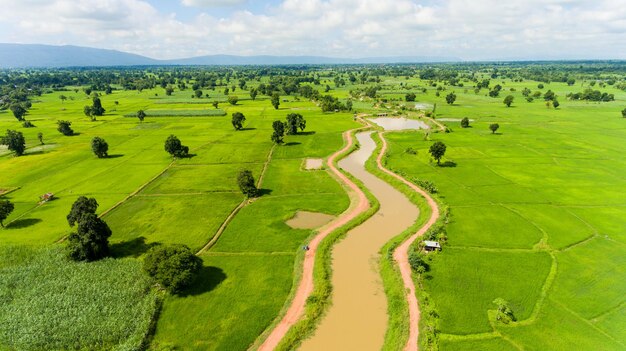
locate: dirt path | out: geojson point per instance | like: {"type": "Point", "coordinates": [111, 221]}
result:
{"type": "Point", "coordinates": [401, 254]}
{"type": "Point", "coordinates": [305, 287]}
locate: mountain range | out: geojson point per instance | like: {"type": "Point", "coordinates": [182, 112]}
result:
{"type": "Point", "coordinates": [49, 56]}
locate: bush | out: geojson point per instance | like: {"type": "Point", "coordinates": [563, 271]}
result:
{"type": "Point", "coordinates": [411, 151]}
{"type": "Point", "coordinates": [174, 267]}
{"type": "Point", "coordinates": [27, 124]}
{"type": "Point", "coordinates": [417, 260]}
{"type": "Point", "coordinates": [465, 122]}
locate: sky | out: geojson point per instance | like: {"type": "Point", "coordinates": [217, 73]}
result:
{"type": "Point", "coordinates": [458, 29]}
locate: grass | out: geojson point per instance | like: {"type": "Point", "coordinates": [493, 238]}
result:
{"type": "Point", "coordinates": [544, 192]}
{"type": "Point", "coordinates": [48, 302]}
{"type": "Point", "coordinates": [180, 113]}
{"type": "Point", "coordinates": [181, 201]}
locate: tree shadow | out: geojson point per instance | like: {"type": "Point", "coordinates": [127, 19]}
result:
{"type": "Point", "coordinates": [263, 192]}
{"type": "Point", "coordinates": [132, 248]}
{"type": "Point", "coordinates": [207, 279]}
{"type": "Point", "coordinates": [115, 156]}
{"type": "Point", "coordinates": [306, 133]}
{"type": "Point", "coordinates": [248, 128]}
{"type": "Point", "coordinates": [23, 223]}
{"type": "Point", "coordinates": [292, 143]}
{"type": "Point", "coordinates": [448, 164]}
{"type": "Point", "coordinates": [32, 153]}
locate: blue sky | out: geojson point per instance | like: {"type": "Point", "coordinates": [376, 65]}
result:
{"type": "Point", "coordinates": [463, 29]}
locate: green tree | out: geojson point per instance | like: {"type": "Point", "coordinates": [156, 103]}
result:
{"type": "Point", "coordinates": [437, 150]}
{"type": "Point", "coordinates": [6, 207]}
{"type": "Point", "coordinates": [215, 104]}
{"type": "Point", "coordinates": [275, 100]}
{"type": "Point", "coordinates": [141, 115]}
{"type": "Point", "coordinates": [15, 142]}
{"type": "Point", "coordinates": [253, 93]}
{"type": "Point", "coordinates": [198, 93]}
{"type": "Point", "coordinates": [549, 95]}
{"type": "Point", "coordinates": [81, 206]}
{"type": "Point", "coordinates": [91, 240]}
{"type": "Point", "coordinates": [624, 113]}
{"type": "Point", "coordinates": [88, 111]}
{"type": "Point", "coordinates": [279, 132]}
{"type": "Point", "coordinates": [237, 120]}
{"type": "Point", "coordinates": [508, 100]}
{"type": "Point", "coordinates": [174, 267]}
{"type": "Point", "coordinates": [18, 111]}
{"type": "Point", "coordinates": [232, 99]}
{"type": "Point", "coordinates": [63, 98]}
{"type": "Point", "coordinates": [556, 103]}
{"type": "Point", "coordinates": [410, 97]}
{"type": "Point", "coordinates": [451, 98]}
{"type": "Point", "coordinates": [571, 81]}
{"type": "Point", "coordinates": [99, 147]}
{"type": "Point", "coordinates": [294, 122]}
{"type": "Point", "coordinates": [175, 148]}
{"type": "Point", "coordinates": [40, 137]}
{"type": "Point", "coordinates": [97, 109]}
{"type": "Point", "coordinates": [246, 183]}
{"type": "Point", "coordinates": [465, 122]}
{"type": "Point", "coordinates": [493, 127]}
{"type": "Point", "coordinates": [169, 90]}
{"type": "Point", "coordinates": [64, 127]}
{"type": "Point", "coordinates": [417, 260]}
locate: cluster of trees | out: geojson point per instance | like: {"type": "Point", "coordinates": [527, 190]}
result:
{"type": "Point", "coordinates": [329, 103]}
{"type": "Point", "coordinates": [293, 123]}
{"type": "Point", "coordinates": [591, 95]}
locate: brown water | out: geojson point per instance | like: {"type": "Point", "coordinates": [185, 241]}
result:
{"type": "Point", "coordinates": [309, 220]}
{"type": "Point", "coordinates": [357, 319]}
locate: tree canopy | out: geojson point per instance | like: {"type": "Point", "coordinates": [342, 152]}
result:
{"type": "Point", "coordinates": [451, 98]}
{"type": "Point", "coordinates": [90, 242]}
{"type": "Point", "coordinates": [141, 114]}
{"type": "Point", "coordinates": [275, 100]}
{"type": "Point", "coordinates": [64, 127]}
{"type": "Point", "coordinates": [294, 122]}
{"type": "Point", "coordinates": [279, 132]}
{"type": "Point", "coordinates": [174, 267]}
{"type": "Point", "coordinates": [465, 122]}
{"type": "Point", "coordinates": [99, 147]}
{"type": "Point", "coordinates": [493, 127]}
{"type": "Point", "coordinates": [237, 120]}
{"type": "Point", "coordinates": [14, 141]}
{"type": "Point", "coordinates": [437, 150]}
{"type": "Point", "coordinates": [6, 207]}
{"type": "Point", "coordinates": [175, 148]}
{"type": "Point", "coordinates": [508, 100]}
{"type": "Point", "coordinates": [245, 180]}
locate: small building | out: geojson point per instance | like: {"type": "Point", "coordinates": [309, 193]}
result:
{"type": "Point", "coordinates": [431, 245]}
{"type": "Point", "coordinates": [46, 197]}
{"type": "Point", "coordinates": [382, 114]}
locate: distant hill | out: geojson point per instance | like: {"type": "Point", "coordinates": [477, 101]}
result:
{"type": "Point", "coordinates": [36, 55]}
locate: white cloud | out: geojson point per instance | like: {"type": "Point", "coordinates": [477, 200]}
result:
{"type": "Point", "coordinates": [468, 29]}
{"type": "Point", "coordinates": [212, 3]}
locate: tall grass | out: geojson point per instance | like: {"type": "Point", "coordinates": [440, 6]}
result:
{"type": "Point", "coordinates": [50, 303]}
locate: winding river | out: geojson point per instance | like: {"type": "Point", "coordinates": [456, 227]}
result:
{"type": "Point", "coordinates": [357, 319]}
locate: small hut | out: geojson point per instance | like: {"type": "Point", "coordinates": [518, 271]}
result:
{"type": "Point", "coordinates": [46, 197]}
{"type": "Point", "coordinates": [431, 245]}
